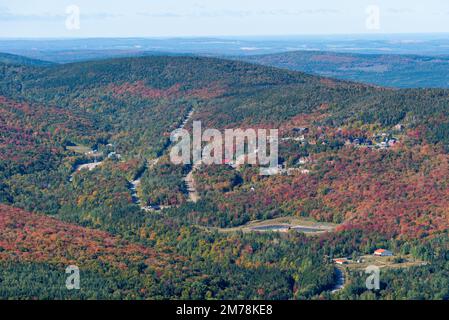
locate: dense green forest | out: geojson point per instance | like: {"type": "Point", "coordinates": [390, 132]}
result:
{"type": "Point", "coordinates": [121, 112]}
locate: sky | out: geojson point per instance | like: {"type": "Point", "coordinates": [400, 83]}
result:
{"type": "Point", "coordinates": [185, 18]}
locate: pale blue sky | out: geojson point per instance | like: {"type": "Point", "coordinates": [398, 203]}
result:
{"type": "Point", "coordinates": [169, 18]}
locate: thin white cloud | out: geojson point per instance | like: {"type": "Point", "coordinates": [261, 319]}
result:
{"type": "Point", "coordinates": [7, 15]}
{"type": "Point", "coordinates": [220, 17]}
{"type": "Point", "coordinates": [401, 11]}
{"type": "Point", "coordinates": [236, 13]}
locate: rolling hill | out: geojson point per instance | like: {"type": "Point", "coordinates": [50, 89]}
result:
{"type": "Point", "coordinates": [134, 103]}
{"type": "Point", "coordinates": [6, 58]}
{"type": "Point", "coordinates": [388, 70]}
{"type": "Point", "coordinates": [372, 160]}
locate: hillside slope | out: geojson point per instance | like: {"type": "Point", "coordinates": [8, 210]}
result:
{"type": "Point", "coordinates": [133, 104]}
{"type": "Point", "coordinates": [37, 243]}
{"type": "Point", "coordinates": [389, 70]}
{"type": "Point", "coordinates": [7, 58]}
{"type": "Point", "coordinates": [370, 159]}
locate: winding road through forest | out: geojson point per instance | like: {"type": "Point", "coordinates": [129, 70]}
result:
{"type": "Point", "coordinates": [135, 184]}
{"type": "Point", "coordinates": [191, 188]}
{"type": "Point", "coordinates": [190, 182]}
{"type": "Point", "coordinates": [341, 279]}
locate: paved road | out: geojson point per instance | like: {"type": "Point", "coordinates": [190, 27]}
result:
{"type": "Point", "coordinates": [191, 188]}
{"type": "Point", "coordinates": [341, 279]}
{"type": "Point", "coordinates": [193, 195]}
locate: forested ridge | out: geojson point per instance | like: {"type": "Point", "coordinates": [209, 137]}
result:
{"type": "Point", "coordinates": [12, 59]}
{"type": "Point", "coordinates": [389, 70]}
{"type": "Point", "coordinates": [374, 161]}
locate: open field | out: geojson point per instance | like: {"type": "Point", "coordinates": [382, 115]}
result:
{"type": "Point", "coordinates": [284, 224]}
{"type": "Point", "coordinates": [395, 262]}
{"type": "Point", "coordinates": [79, 149]}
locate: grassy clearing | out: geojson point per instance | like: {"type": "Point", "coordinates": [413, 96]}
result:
{"type": "Point", "coordinates": [79, 149]}
{"type": "Point", "coordinates": [395, 262]}
{"type": "Point", "coordinates": [284, 223]}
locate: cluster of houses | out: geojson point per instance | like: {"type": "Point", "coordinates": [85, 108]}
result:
{"type": "Point", "coordinates": [296, 139]}
{"type": "Point", "coordinates": [94, 154]}
{"type": "Point", "coordinates": [382, 141]}
{"type": "Point", "coordinates": [377, 253]}
{"type": "Point", "coordinates": [301, 131]}
{"type": "Point", "coordinates": [98, 154]}
{"type": "Point", "coordinates": [378, 141]}
{"type": "Point", "coordinates": [114, 155]}
{"type": "Point", "coordinates": [282, 169]}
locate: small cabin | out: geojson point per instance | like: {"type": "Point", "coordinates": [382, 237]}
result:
{"type": "Point", "coordinates": [383, 253]}
{"type": "Point", "coordinates": [341, 261]}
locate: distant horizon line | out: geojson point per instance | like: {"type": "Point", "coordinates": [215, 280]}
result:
{"type": "Point", "coordinates": [336, 35]}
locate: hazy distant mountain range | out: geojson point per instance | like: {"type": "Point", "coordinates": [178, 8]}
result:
{"type": "Point", "coordinates": [406, 61]}
{"type": "Point", "coordinates": [427, 44]}
{"type": "Point", "coordinates": [403, 71]}
{"type": "Point", "coordinates": [6, 58]}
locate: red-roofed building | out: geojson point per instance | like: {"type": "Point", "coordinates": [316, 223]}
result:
{"type": "Point", "coordinates": [383, 253]}
{"type": "Point", "coordinates": [341, 261]}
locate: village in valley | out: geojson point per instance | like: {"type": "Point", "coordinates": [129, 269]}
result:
{"type": "Point", "coordinates": [308, 140]}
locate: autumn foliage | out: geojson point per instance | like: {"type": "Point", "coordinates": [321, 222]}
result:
{"type": "Point", "coordinates": [37, 238]}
